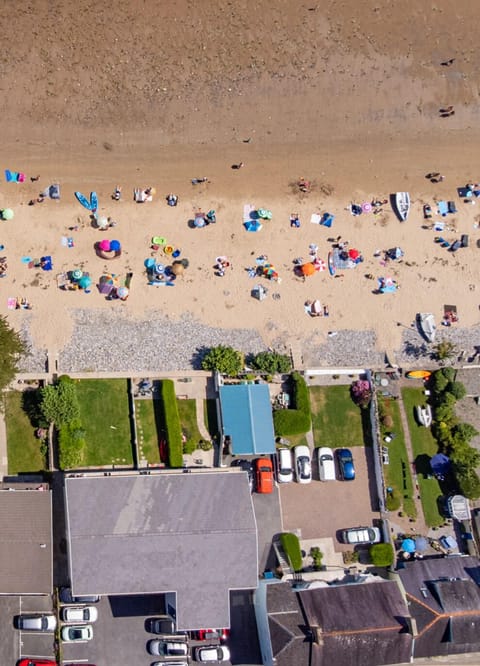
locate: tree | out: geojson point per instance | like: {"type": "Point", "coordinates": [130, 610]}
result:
{"type": "Point", "coordinates": [60, 402]}
{"type": "Point", "coordinates": [464, 432]}
{"type": "Point", "coordinates": [445, 350]}
{"type": "Point", "coordinates": [272, 362]}
{"type": "Point", "coordinates": [457, 389]}
{"type": "Point", "coordinates": [469, 485]}
{"type": "Point", "coordinates": [464, 459]}
{"type": "Point", "coordinates": [381, 554]}
{"type": "Point", "coordinates": [226, 360]}
{"type": "Point", "coordinates": [12, 349]}
{"type": "Point", "coordinates": [439, 381]}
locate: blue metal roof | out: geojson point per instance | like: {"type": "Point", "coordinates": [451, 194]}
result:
{"type": "Point", "coordinates": [247, 418]}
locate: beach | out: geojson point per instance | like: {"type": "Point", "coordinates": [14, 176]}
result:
{"type": "Point", "coordinates": [160, 97]}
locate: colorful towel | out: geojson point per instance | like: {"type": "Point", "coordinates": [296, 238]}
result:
{"type": "Point", "coordinates": [11, 303]}
{"type": "Point", "coordinates": [247, 212]}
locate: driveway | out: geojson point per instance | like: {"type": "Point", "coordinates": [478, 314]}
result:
{"type": "Point", "coordinates": [269, 524]}
{"type": "Point", "coordinates": [16, 644]}
{"type": "Point", "coordinates": [322, 509]}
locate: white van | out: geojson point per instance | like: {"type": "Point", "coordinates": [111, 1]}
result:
{"type": "Point", "coordinates": [326, 464]}
{"type": "Point", "coordinates": [284, 466]}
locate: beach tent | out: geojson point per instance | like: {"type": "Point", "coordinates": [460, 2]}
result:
{"type": "Point", "coordinates": [46, 263]}
{"type": "Point", "coordinates": [252, 225]}
{"type": "Point", "coordinates": [408, 545]}
{"type": "Point", "coordinates": [85, 282]}
{"type": "Point", "coordinates": [107, 283]}
{"type": "Point", "coordinates": [269, 271]}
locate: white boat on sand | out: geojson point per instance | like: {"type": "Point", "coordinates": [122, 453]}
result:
{"type": "Point", "coordinates": [426, 324]}
{"type": "Point", "coordinates": [402, 204]}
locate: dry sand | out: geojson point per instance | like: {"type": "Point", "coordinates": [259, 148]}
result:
{"type": "Point", "coordinates": [344, 93]}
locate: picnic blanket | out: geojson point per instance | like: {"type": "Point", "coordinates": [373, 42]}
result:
{"type": "Point", "coordinates": [14, 176]}
{"type": "Point", "coordinates": [341, 263]}
{"type": "Point", "coordinates": [442, 208]}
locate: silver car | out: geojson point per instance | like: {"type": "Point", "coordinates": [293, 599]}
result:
{"type": "Point", "coordinates": [79, 614]}
{"type": "Point", "coordinates": [36, 622]}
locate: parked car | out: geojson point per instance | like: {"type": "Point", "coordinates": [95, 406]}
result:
{"type": "Point", "coordinates": [160, 625]}
{"type": "Point", "coordinates": [67, 598]}
{"type": "Point", "coordinates": [39, 662]}
{"type": "Point", "coordinates": [284, 468]}
{"type": "Point", "coordinates": [326, 464]}
{"type": "Point", "coordinates": [247, 467]}
{"type": "Point", "coordinates": [264, 475]}
{"type": "Point", "coordinates": [166, 663]}
{"type": "Point", "coordinates": [345, 464]}
{"type": "Point", "coordinates": [167, 648]}
{"type": "Point", "coordinates": [212, 634]}
{"type": "Point", "coordinates": [212, 653]}
{"type": "Point", "coordinates": [76, 634]}
{"type": "Point", "coordinates": [359, 535]}
{"type": "Point", "coordinates": [79, 614]}
{"type": "Point", "coordinates": [303, 464]}
{"type": "Point", "coordinates": [36, 622]}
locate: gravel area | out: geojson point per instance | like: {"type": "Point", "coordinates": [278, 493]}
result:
{"type": "Point", "coordinates": [110, 342]}
{"type": "Point", "coordinates": [107, 342]}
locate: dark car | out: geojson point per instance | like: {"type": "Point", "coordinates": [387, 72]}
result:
{"type": "Point", "coordinates": [345, 464]}
{"type": "Point", "coordinates": [247, 467]}
{"type": "Point", "coordinates": [160, 625]}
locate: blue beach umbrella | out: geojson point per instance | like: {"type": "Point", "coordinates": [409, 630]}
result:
{"type": "Point", "coordinates": [253, 225]}
{"type": "Point", "coordinates": [115, 245]}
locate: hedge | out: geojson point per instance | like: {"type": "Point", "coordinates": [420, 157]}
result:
{"type": "Point", "coordinates": [291, 548]}
{"type": "Point", "coordinates": [381, 554]}
{"type": "Point", "coordinates": [173, 426]}
{"type": "Point", "coordinates": [298, 420]}
{"type": "Point", "coordinates": [71, 445]}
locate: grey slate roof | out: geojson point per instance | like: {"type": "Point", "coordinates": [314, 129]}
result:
{"type": "Point", "coordinates": [26, 541]}
{"type": "Point", "coordinates": [444, 599]}
{"type": "Point", "coordinates": [193, 534]}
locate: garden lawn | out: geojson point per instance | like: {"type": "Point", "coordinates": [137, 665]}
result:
{"type": "Point", "coordinates": [397, 472]}
{"type": "Point", "coordinates": [187, 410]}
{"type": "Point", "coordinates": [105, 419]}
{"type": "Point", "coordinates": [336, 420]}
{"type": "Point", "coordinates": [23, 448]}
{"type": "Point", "coordinates": [147, 433]}
{"type": "Point", "coordinates": [424, 447]}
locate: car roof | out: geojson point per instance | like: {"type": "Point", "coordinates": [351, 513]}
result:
{"type": "Point", "coordinates": [302, 450]}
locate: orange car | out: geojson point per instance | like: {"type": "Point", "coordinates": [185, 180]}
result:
{"type": "Point", "coordinates": [264, 475]}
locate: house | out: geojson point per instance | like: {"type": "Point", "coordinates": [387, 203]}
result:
{"type": "Point", "coordinates": [26, 565]}
{"type": "Point", "coordinates": [191, 535]}
{"type": "Point", "coordinates": [444, 599]}
{"type": "Point", "coordinates": [364, 623]}
{"type": "Point", "coordinates": [245, 418]}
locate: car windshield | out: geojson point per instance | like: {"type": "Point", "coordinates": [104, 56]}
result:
{"type": "Point", "coordinates": [326, 457]}
{"type": "Point", "coordinates": [304, 467]}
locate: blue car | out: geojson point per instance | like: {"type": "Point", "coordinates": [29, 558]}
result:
{"type": "Point", "coordinates": [345, 463]}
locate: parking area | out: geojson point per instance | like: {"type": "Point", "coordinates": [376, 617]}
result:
{"type": "Point", "coordinates": [16, 644]}
{"type": "Point", "coordinates": [269, 523]}
{"type": "Point", "coordinates": [323, 509]}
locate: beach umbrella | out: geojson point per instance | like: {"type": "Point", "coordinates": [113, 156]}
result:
{"type": "Point", "coordinates": [122, 292]}
{"type": "Point", "coordinates": [185, 263]}
{"type": "Point", "coordinates": [159, 269]}
{"type": "Point", "coordinates": [199, 221]}
{"type": "Point", "coordinates": [307, 269]}
{"type": "Point", "coordinates": [115, 246]}
{"type": "Point", "coordinates": [177, 269]}
{"type": "Point", "coordinates": [316, 307]}
{"type": "Point", "coordinates": [353, 254]}
{"type": "Point", "coordinates": [320, 265]}
{"type": "Point", "coordinates": [77, 274]}
{"type": "Point", "coordinates": [421, 544]}
{"type": "Point", "coordinates": [84, 282]}
{"type": "Point", "coordinates": [367, 207]}
{"type": "Point", "coordinates": [408, 546]}
{"type": "Point", "coordinates": [104, 245]}
{"type": "Point", "coordinates": [7, 214]}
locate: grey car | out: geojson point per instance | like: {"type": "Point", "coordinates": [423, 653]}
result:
{"type": "Point", "coordinates": [167, 648]}
{"type": "Point", "coordinates": [160, 625]}
{"type": "Point", "coordinates": [36, 622]}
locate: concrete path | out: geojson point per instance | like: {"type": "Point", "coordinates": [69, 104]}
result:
{"type": "Point", "coordinates": [3, 447]}
{"type": "Point", "coordinates": [200, 419]}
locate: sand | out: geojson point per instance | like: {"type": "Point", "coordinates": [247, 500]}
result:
{"type": "Point", "coordinates": [345, 96]}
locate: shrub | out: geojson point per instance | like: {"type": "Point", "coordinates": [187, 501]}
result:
{"type": "Point", "coordinates": [172, 423]}
{"type": "Point", "coordinates": [226, 360]}
{"type": "Point", "coordinates": [291, 547]}
{"type": "Point", "coordinates": [361, 393]}
{"type": "Point", "coordinates": [298, 420]}
{"type": "Point", "coordinates": [457, 389]}
{"type": "Point", "coordinates": [381, 554]}
{"type": "Point", "coordinates": [387, 421]}
{"type": "Point", "coordinates": [468, 484]}
{"type": "Point", "coordinates": [317, 557]}
{"type": "Point", "coordinates": [350, 556]}
{"type": "Point", "coordinates": [272, 362]}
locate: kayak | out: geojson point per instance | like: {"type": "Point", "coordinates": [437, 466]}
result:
{"type": "Point", "coordinates": [93, 201]}
{"type": "Point", "coordinates": [83, 200]}
{"type": "Point", "coordinates": [331, 265]}
{"type": "Point", "coordinates": [418, 374]}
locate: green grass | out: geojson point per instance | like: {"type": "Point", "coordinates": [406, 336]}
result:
{"type": "Point", "coordinates": [297, 440]}
{"type": "Point", "coordinates": [104, 416]}
{"type": "Point", "coordinates": [147, 433]}
{"type": "Point", "coordinates": [424, 447]}
{"type": "Point", "coordinates": [187, 411]}
{"type": "Point", "coordinates": [336, 420]}
{"type": "Point", "coordinates": [397, 472]}
{"type": "Point", "coordinates": [23, 448]}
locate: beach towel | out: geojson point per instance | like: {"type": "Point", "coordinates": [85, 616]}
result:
{"type": "Point", "coordinates": [11, 176]}
{"type": "Point", "coordinates": [327, 219]}
{"type": "Point", "coordinates": [439, 226]}
{"type": "Point", "coordinates": [316, 218]}
{"type": "Point", "coordinates": [54, 191]}
{"type": "Point", "coordinates": [442, 208]}
{"type": "Point", "coordinates": [248, 209]}
{"type": "Point", "coordinates": [11, 303]}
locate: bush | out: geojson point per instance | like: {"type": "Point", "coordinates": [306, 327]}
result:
{"type": "Point", "coordinates": [394, 500]}
{"type": "Point", "coordinates": [298, 420]}
{"type": "Point", "coordinates": [317, 557]}
{"type": "Point", "coordinates": [468, 484]}
{"type": "Point", "coordinates": [291, 547]}
{"type": "Point", "coordinates": [172, 423]}
{"type": "Point", "coordinates": [381, 554]}
{"type": "Point", "coordinates": [272, 362]}
{"type": "Point", "coordinates": [457, 389]}
{"type": "Point", "coordinates": [224, 359]}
